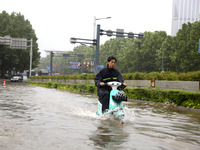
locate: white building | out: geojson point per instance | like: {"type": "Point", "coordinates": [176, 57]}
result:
{"type": "Point", "coordinates": [184, 11]}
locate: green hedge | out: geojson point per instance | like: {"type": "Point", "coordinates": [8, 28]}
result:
{"type": "Point", "coordinates": [172, 76]}
{"type": "Point", "coordinates": [86, 88]}
{"type": "Point", "coordinates": [175, 97]}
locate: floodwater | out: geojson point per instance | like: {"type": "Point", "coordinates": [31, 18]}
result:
{"type": "Point", "coordinates": [37, 118]}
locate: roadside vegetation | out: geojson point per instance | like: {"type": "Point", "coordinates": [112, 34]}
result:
{"type": "Point", "coordinates": [170, 76]}
{"type": "Point", "coordinates": [174, 97]}
{"type": "Point", "coordinates": [17, 60]}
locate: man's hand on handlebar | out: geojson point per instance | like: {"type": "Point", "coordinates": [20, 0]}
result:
{"type": "Point", "coordinates": [102, 83]}
{"type": "Point", "coordinates": [124, 84]}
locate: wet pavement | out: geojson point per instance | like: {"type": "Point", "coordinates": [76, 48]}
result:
{"type": "Point", "coordinates": [39, 118]}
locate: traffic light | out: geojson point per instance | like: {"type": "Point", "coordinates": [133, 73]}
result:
{"type": "Point", "coordinates": [109, 33]}
{"type": "Point", "coordinates": [79, 65]}
{"type": "Point", "coordinates": [88, 64]}
{"type": "Point", "coordinates": [141, 35]}
{"type": "Point", "coordinates": [72, 40]}
{"type": "Point", "coordinates": [66, 55]}
{"type": "Point", "coordinates": [130, 35]}
{"type": "Point", "coordinates": [52, 54]}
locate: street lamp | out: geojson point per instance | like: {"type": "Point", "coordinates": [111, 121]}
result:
{"type": "Point", "coordinates": [94, 30]}
{"type": "Point", "coordinates": [95, 38]}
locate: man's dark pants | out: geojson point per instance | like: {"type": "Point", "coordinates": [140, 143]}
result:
{"type": "Point", "coordinates": [104, 96]}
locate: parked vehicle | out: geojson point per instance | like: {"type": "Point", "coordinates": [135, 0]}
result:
{"type": "Point", "coordinates": [16, 79]}
{"type": "Point", "coordinates": [56, 74]}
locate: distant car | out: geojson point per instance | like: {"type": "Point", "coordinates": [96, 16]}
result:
{"type": "Point", "coordinates": [16, 79]}
{"type": "Point", "coordinates": [56, 74]}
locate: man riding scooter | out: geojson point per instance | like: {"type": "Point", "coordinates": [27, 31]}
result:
{"type": "Point", "coordinates": [105, 75]}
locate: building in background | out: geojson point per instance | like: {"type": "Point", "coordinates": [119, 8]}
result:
{"type": "Point", "coordinates": [184, 11]}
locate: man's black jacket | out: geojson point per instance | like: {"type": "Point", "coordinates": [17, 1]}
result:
{"type": "Point", "coordinates": [106, 75]}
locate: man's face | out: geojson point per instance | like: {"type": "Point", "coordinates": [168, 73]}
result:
{"type": "Point", "coordinates": [111, 64]}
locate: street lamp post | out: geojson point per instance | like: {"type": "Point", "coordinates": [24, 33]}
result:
{"type": "Point", "coordinates": [96, 37]}
{"type": "Point", "coordinates": [162, 58]}
{"type": "Point", "coordinates": [94, 29]}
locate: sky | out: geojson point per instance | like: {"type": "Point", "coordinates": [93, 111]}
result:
{"type": "Point", "coordinates": [56, 21]}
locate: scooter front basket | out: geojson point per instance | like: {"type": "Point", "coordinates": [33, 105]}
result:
{"type": "Point", "coordinates": [119, 98]}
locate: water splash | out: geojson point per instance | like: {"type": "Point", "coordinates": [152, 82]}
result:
{"type": "Point", "coordinates": [129, 116]}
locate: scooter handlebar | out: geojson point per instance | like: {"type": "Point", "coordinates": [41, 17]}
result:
{"type": "Point", "coordinates": [114, 83]}
{"type": "Point", "coordinates": [105, 84]}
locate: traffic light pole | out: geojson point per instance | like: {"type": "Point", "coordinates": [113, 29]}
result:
{"type": "Point", "coordinates": [97, 49]}
{"type": "Point", "coordinates": [97, 40]}
{"type": "Point", "coordinates": [31, 56]}
{"type": "Point", "coordinates": [51, 62]}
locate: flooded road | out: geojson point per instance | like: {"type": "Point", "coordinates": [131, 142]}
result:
{"type": "Point", "coordinates": [33, 118]}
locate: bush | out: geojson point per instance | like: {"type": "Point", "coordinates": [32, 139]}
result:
{"type": "Point", "coordinates": [176, 97]}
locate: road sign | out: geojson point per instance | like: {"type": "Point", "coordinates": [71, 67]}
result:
{"type": "Point", "coordinates": [5, 40]}
{"type": "Point", "coordinates": [101, 66]}
{"type": "Point", "coordinates": [74, 67]}
{"type": "Point", "coordinates": [18, 43]}
{"type": "Point", "coordinates": [120, 34]}
{"type": "Point", "coordinates": [74, 63]}
{"type": "Point", "coordinates": [92, 63]}
{"type": "Point", "coordinates": [49, 68]}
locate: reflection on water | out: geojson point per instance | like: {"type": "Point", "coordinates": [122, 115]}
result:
{"type": "Point", "coordinates": [47, 119]}
{"type": "Point", "coordinates": [108, 135]}
{"type": "Point", "coordinates": [179, 129]}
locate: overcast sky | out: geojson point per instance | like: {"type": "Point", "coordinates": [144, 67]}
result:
{"type": "Point", "coordinates": [56, 21]}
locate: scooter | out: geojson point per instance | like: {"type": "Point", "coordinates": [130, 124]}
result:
{"type": "Point", "coordinates": [115, 101]}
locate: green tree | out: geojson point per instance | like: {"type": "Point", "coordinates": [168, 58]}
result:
{"type": "Point", "coordinates": [184, 56]}
{"type": "Point", "coordinates": [113, 47]}
{"type": "Point", "coordinates": [171, 63]}
{"type": "Point", "coordinates": [151, 51]}
{"type": "Point", "coordinates": [188, 38]}
{"type": "Point", "coordinates": [16, 26]}
{"type": "Point", "coordinates": [129, 56]}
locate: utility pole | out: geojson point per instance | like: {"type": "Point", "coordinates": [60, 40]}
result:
{"type": "Point", "coordinates": [95, 19]}
{"type": "Point", "coordinates": [51, 62]}
{"type": "Point", "coordinates": [31, 56]}
{"type": "Point", "coordinates": [97, 49]}
{"type": "Point", "coordinates": [162, 58]}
